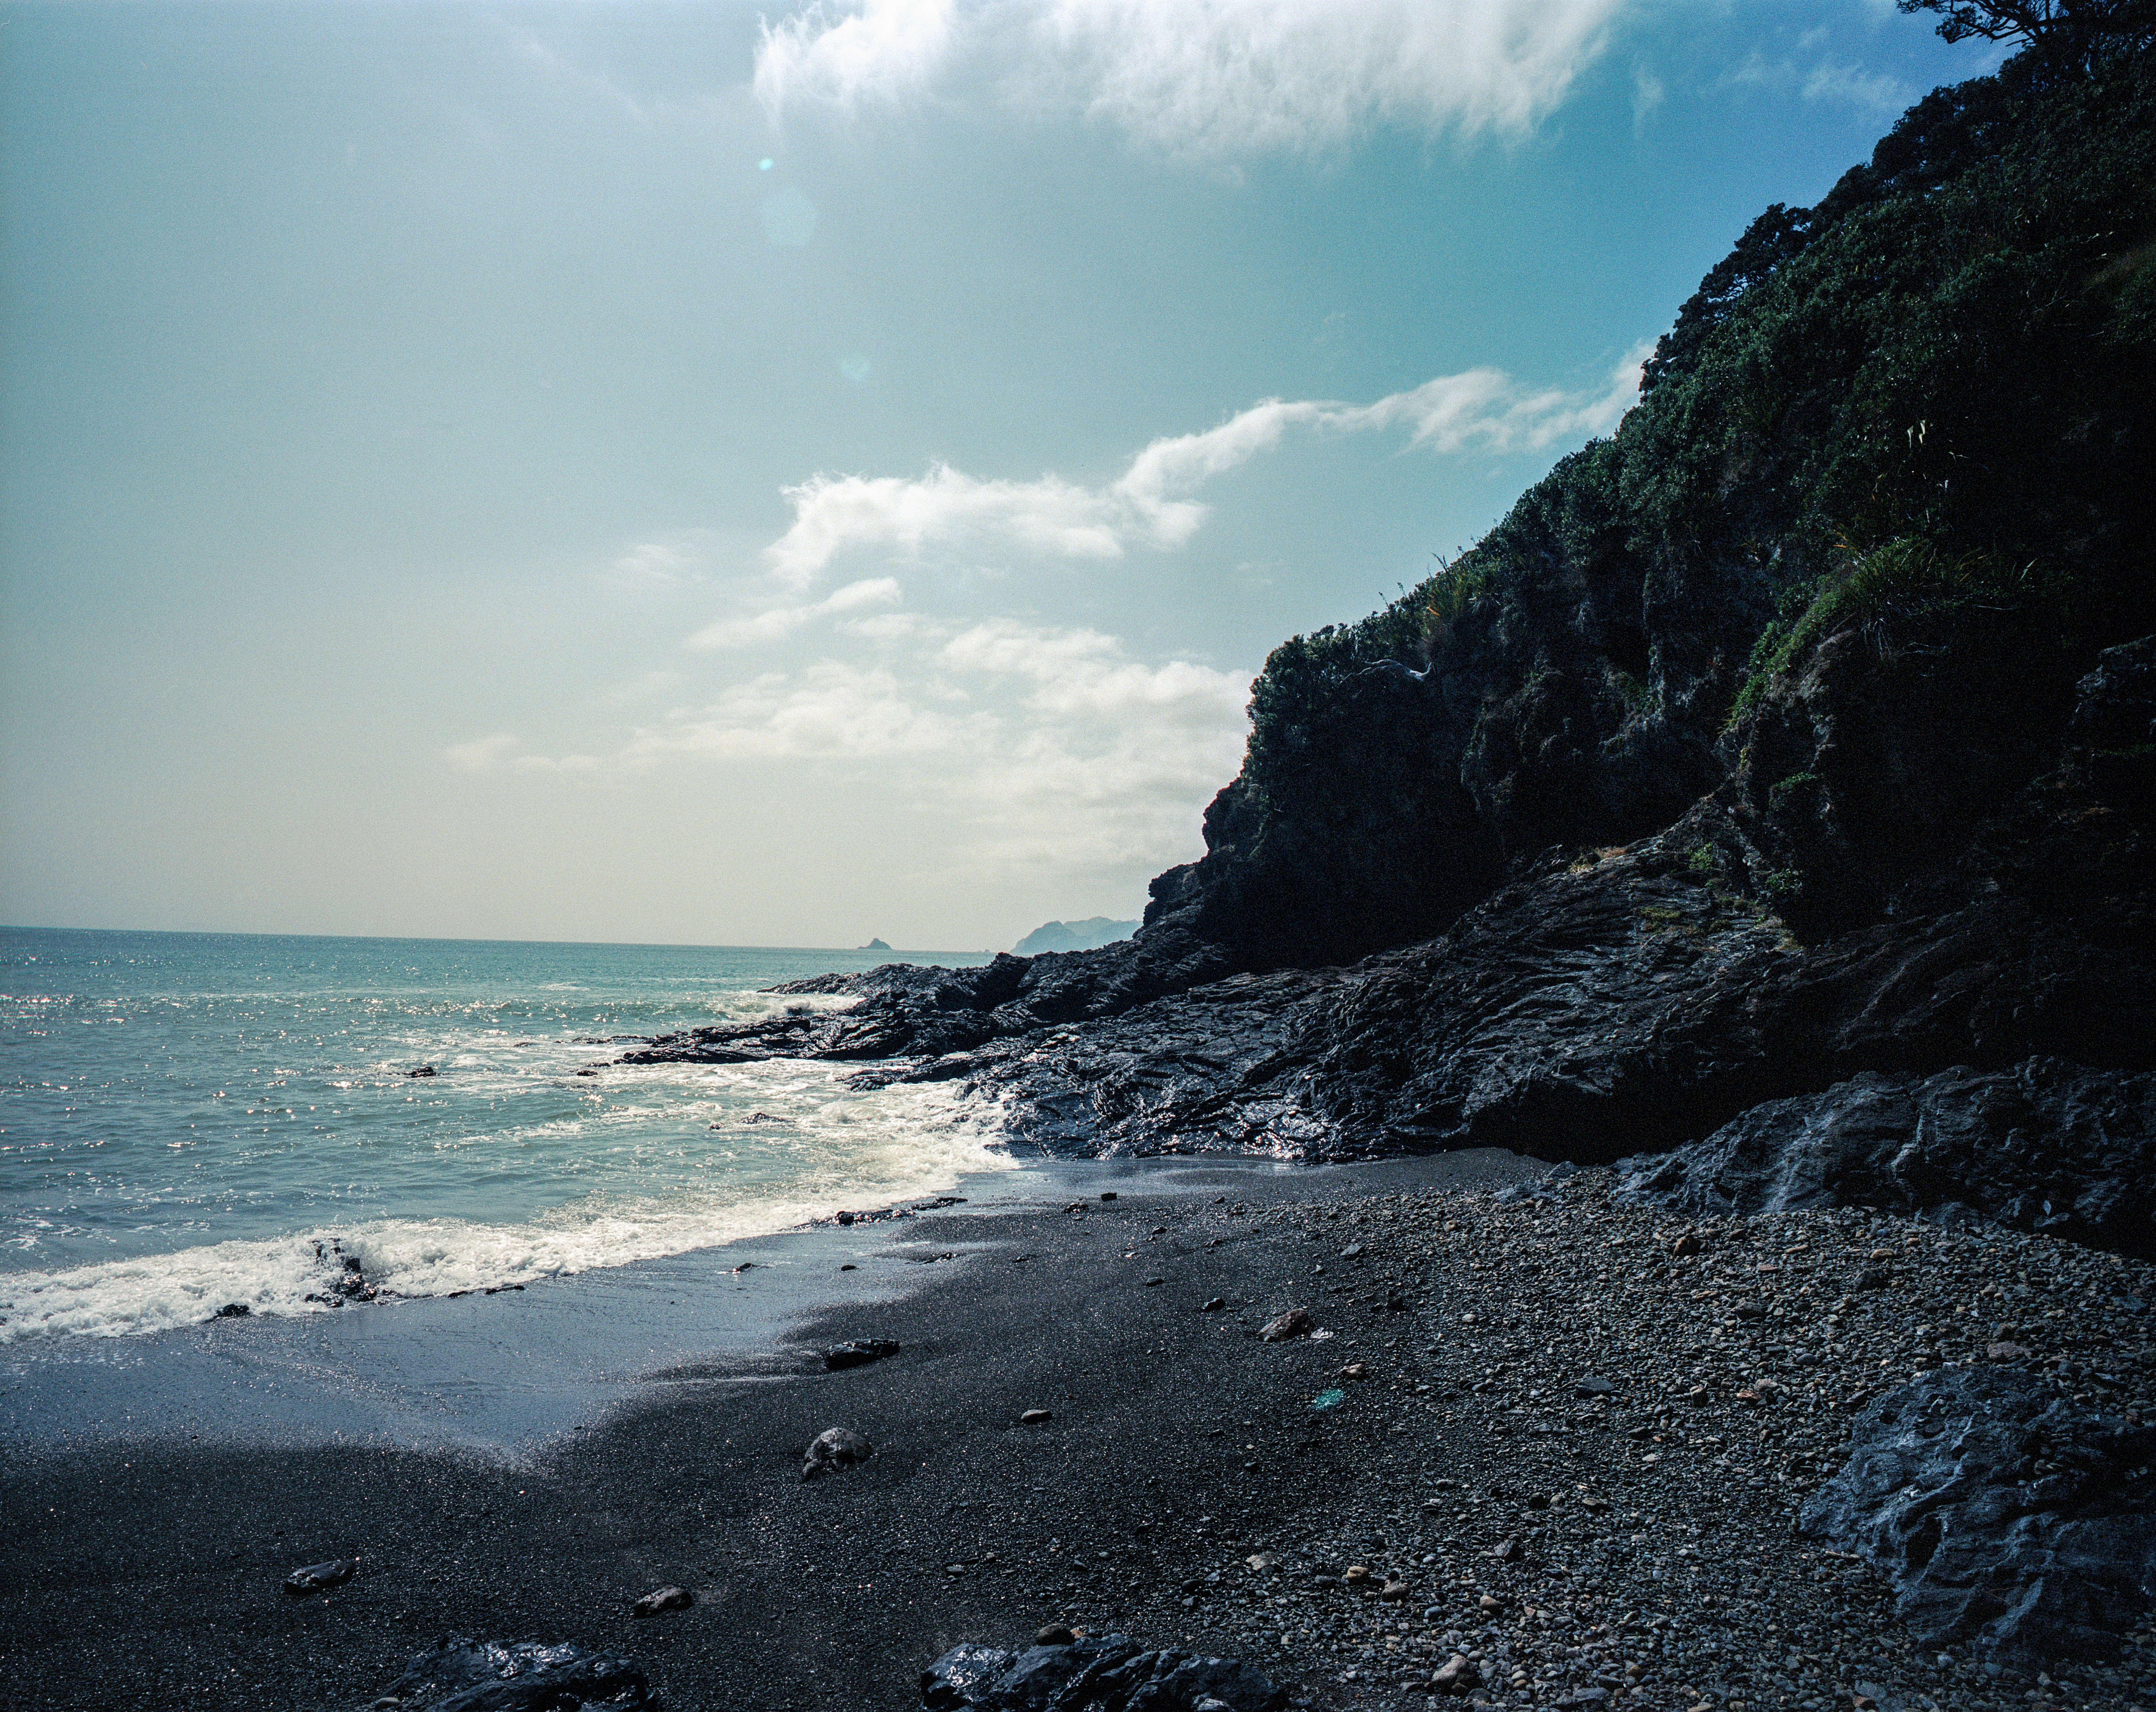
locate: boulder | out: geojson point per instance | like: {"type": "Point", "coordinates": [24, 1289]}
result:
{"type": "Point", "coordinates": [2045, 1145]}
{"type": "Point", "coordinates": [832, 1448]}
{"type": "Point", "coordinates": [2005, 1513]}
{"type": "Point", "coordinates": [459, 1674]}
{"type": "Point", "coordinates": [857, 1352]}
{"type": "Point", "coordinates": [318, 1577]}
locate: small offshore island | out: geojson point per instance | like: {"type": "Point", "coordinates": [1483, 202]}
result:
{"type": "Point", "coordinates": [1704, 939]}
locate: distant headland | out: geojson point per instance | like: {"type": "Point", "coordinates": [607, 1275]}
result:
{"type": "Point", "coordinates": [1088, 935]}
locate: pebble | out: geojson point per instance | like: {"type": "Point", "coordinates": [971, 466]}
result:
{"type": "Point", "coordinates": [316, 1577]}
{"type": "Point", "coordinates": [1608, 1361]}
{"type": "Point", "coordinates": [662, 1599]}
{"type": "Point", "coordinates": [1036, 1417]}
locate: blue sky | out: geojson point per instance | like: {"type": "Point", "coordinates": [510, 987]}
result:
{"type": "Point", "coordinates": [628, 471]}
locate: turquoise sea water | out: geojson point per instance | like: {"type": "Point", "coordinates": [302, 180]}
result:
{"type": "Point", "coordinates": [188, 1120]}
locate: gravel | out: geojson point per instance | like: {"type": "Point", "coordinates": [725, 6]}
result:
{"type": "Point", "coordinates": [1624, 1412]}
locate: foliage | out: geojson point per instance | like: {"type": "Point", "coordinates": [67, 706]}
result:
{"type": "Point", "coordinates": [1924, 407]}
{"type": "Point", "coordinates": [2068, 32]}
{"type": "Point", "coordinates": [1890, 590]}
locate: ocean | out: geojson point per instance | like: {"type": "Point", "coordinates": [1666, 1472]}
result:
{"type": "Point", "coordinates": [191, 1120]}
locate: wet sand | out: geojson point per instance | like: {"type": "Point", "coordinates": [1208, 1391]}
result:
{"type": "Point", "coordinates": [526, 1466]}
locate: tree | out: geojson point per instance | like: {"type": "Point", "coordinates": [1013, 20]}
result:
{"type": "Point", "coordinates": [2062, 32]}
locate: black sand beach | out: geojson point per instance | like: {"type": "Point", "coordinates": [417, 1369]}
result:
{"type": "Point", "coordinates": [1194, 1486]}
{"type": "Point", "coordinates": [146, 1572]}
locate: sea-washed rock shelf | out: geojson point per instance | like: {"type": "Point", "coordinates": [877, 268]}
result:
{"type": "Point", "coordinates": [1623, 1416]}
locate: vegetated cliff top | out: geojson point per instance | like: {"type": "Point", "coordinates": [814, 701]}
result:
{"type": "Point", "coordinates": [1916, 422]}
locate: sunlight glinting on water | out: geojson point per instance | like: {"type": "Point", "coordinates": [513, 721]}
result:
{"type": "Point", "coordinates": [223, 1143]}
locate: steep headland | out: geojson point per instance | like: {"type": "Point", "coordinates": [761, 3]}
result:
{"type": "Point", "coordinates": [1804, 730]}
{"type": "Point", "coordinates": [1095, 930]}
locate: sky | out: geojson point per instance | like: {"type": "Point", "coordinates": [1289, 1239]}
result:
{"type": "Point", "coordinates": [722, 475]}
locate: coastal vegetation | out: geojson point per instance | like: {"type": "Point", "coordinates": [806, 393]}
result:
{"type": "Point", "coordinates": [1919, 414]}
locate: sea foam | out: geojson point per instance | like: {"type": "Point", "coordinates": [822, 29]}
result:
{"type": "Point", "coordinates": [870, 1151]}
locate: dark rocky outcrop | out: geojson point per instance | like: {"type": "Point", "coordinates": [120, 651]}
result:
{"type": "Point", "coordinates": [1103, 1673]}
{"type": "Point", "coordinates": [459, 1674]}
{"type": "Point", "coordinates": [2005, 1513]}
{"type": "Point", "coordinates": [2045, 1145]}
{"type": "Point", "coordinates": [907, 1009]}
{"type": "Point", "coordinates": [1613, 1004]}
{"type": "Point", "coordinates": [1604, 1002]}
{"type": "Point", "coordinates": [1792, 735]}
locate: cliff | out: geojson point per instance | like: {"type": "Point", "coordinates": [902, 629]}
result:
{"type": "Point", "coordinates": [1804, 730]}
{"type": "Point", "coordinates": [1887, 494]}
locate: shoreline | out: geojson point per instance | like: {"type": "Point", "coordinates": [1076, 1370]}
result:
{"type": "Point", "coordinates": [1191, 1486]}
{"type": "Point", "coordinates": [461, 1370]}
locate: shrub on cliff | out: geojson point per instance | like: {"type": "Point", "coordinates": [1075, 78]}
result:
{"type": "Point", "coordinates": [1925, 408]}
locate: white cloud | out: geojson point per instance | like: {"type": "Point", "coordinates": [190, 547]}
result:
{"type": "Point", "coordinates": [499, 755]}
{"type": "Point", "coordinates": [1083, 674]}
{"type": "Point", "coordinates": [482, 754]}
{"type": "Point", "coordinates": [1212, 77]}
{"type": "Point", "coordinates": [1150, 505]}
{"type": "Point", "coordinates": [1869, 91]}
{"type": "Point", "coordinates": [884, 627]}
{"type": "Point", "coordinates": [880, 50]}
{"type": "Point", "coordinates": [1049, 751]}
{"type": "Point", "coordinates": [831, 711]}
{"type": "Point", "coordinates": [779, 621]}
{"type": "Point", "coordinates": [831, 513]}
{"type": "Point", "coordinates": [1824, 80]}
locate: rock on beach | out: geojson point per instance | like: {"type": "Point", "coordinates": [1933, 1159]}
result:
{"type": "Point", "coordinates": [832, 1448]}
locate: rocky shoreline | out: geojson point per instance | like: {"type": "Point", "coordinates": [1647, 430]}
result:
{"type": "Point", "coordinates": [1604, 1002]}
{"type": "Point", "coordinates": [1883, 1161]}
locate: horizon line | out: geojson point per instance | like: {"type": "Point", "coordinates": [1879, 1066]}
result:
{"type": "Point", "coordinates": [463, 939]}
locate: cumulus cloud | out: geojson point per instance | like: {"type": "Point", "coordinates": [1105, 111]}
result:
{"type": "Point", "coordinates": [1110, 759]}
{"type": "Point", "coordinates": [1049, 750]}
{"type": "Point", "coordinates": [1151, 503]}
{"type": "Point", "coordinates": [777, 621]}
{"type": "Point", "coordinates": [831, 513]}
{"type": "Point", "coordinates": [1083, 674]}
{"type": "Point", "coordinates": [1213, 77]}
{"type": "Point", "coordinates": [876, 50]}
{"type": "Point", "coordinates": [831, 711]}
